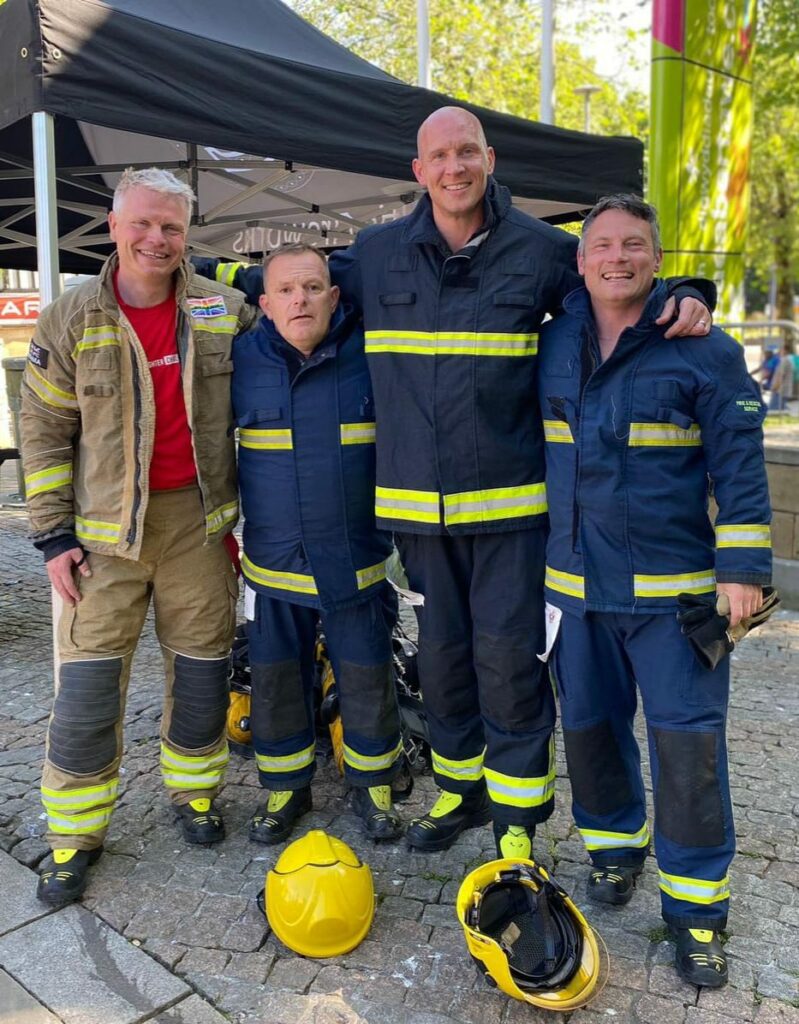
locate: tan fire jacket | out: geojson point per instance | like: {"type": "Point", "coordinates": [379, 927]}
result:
{"type": "Point", "coordinates": [88, 412]}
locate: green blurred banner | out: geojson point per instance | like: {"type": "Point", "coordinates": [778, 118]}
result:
{"type": "Point", "coordinates": [700, 139]}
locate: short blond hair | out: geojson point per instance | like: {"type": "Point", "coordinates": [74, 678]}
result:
{"type": "Point", "coordinates": [156, 179]}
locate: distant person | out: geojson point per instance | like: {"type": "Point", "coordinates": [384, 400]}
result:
{"type": "Point", "coordinates": [783, 381]}
{"type": "Point", "coordinates": [635, 426]}
{"type": "Point", "coordinates": [131, 484]}
{"type": "Point", "coordinates": [303, 405]}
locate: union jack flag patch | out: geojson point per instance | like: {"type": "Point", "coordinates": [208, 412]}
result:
{"type": "Point", "coordinates": [213, 305]}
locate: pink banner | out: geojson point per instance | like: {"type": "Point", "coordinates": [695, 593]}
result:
{"type": "Point", "coordinates": [668, 23]}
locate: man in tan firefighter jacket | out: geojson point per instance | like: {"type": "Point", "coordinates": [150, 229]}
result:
{"type": "Point", "coordinates": [130, 477]}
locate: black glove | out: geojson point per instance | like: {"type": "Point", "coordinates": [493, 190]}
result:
{"type": "Point", "coordinates": [705, 621]}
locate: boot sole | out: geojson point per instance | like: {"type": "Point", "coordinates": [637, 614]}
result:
{"type": "Point", "coordinates": [710, 979]}
{"type": "Point", "coordinates": [478, 819]}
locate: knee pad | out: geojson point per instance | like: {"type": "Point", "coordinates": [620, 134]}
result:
{"type": "Point", "coordinates": [200, 701]}
{"type": "Point", "coordinates": [368, 700]}
{"type": "Point", "coordinates": [515, 693]}
{"type": "Point", "coordinates": [82, 735]}
{"type": "Point", "coordinates": [278, 709]}
{"type": "Point", "coordinates": [688, 804]}
{"type": "Point", "coordinates": [596, 769]}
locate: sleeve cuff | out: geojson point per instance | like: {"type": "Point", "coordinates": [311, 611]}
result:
{"type": "Point", "coordinates": [762, 579]}
{"type": "Point", "coordinates": [51, 547]}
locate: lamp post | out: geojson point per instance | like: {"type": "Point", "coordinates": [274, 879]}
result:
{"type": "Point", "coordinates": [422, 44]}
{"type": "Point", "coordinates": [586, 91]}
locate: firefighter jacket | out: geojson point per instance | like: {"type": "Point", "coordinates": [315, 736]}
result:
{"type": "Point", "coordinates": [307, 468]}
{"type": "Point", "coordinates": [452, 341]}
{"type": "Point", "coordinates": [631, 447]}
{"type": "Point", "coordinates": [88, 414]}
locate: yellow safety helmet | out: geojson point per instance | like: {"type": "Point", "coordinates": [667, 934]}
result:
{"type": "Point", "coordinates": [527, 935]}
{"type": "Point", "coordinates": [320, 900]}
{"type": "Point", "coordinates": [238, 717]}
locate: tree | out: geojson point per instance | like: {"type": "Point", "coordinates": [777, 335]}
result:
{"type": "Point", "coordinates": [773, 225]}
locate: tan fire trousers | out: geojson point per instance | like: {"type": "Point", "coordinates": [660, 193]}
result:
{"type": "Point", "coordinates": [193, 590]}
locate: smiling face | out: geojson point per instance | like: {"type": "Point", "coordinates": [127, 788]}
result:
{"type": "Point", "coordinates": [149, 229]}
{"type": "Point", "coordinates": [453, 163]}
{"type": "Point", "coordinates": [618, 260]}
{"type": "Point", "coordinates": [299, 298]}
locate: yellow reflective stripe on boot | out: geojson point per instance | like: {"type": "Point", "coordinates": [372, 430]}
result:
{"type": "Point", "coordinates": [694, 890]}
{"type": "Point", "coordinates": [373, 574]}
{"type": "Point", "coordinates": [558, 432]}
{"type": "Point", "coordinates": [371, 763]}
{"type": "Point", "coordinates": [286, 762]}
{"type": "Point", "coordinates": [221, 516]}
{"type": "Point", "coordinates": [664, 435]}
{"type": "Point", "coordinates": [205, 771]}
{"type": "Point", "coordinates": [94, 529]}
{"type": "Point", "coordinates": [515, 792]}
{"type": "Point", "coordinates": [672, 585]}
{"type": "Point", "coordinates": [357, 433]}
{"type": "Point", "coordinates": [469, 769]}
{"type": "Point", "coordinates": [48, 479]}
{"type": "Point", "coordinates": [297, 582]}
{"type": "Point", "coordinates": [745, 535]}
{"type": "Point", "coordinates": [596, 840]}
{"type": "Point", "coordinates": [98, 337]}
{"type": "Point", "coordinates": [415, 506]}
{"type": "Point", "coordinates": [275, 440]}
{"type": "Point", "coordinates": [565, 582]}
{"type": "Point", "coordinates": [451, 343]}
{"type": "Point", "coordinates": [495, 503]}
{"type": "Point", "coordinates": [47, 392]}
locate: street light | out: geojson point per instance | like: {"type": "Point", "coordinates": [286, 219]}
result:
{"type": "Point", "coordinates": [587, 91]}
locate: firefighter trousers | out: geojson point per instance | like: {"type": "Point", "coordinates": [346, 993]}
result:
{"type": "Point", "coordinates": [598, 660]}
{"type": "Point", "coordinates": [489, 704]}
{"type": "Point", "coordinates": [282, 639]}
{"type": "Point", "coordinates": [193, 592]}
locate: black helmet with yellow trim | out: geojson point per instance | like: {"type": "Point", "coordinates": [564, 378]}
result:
{"type": "Point", "coordinates": [527, 936]}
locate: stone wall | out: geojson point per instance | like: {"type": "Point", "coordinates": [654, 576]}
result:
{"type": "Point", "coordinates": [782, 464]}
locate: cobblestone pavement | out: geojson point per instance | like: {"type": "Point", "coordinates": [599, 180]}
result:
{"type": "Point", "coordinates": [194, 911]}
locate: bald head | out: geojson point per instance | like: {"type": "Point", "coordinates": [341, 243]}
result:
{"type": "Point", "coordinates": [449, 118]}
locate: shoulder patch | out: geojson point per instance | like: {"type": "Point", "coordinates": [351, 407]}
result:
{"type": "Point", "coordinates": [38, 356]}
{"type": "Point", "coordinates": [211, 305]}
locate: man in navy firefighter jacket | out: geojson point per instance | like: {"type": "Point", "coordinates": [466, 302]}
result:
{"type": "Point", "coordinates": [636, 425]}
{"type": "Point", "coordinates": [302, 402]}
{"type": "Point", "coordinates": [453, 296]}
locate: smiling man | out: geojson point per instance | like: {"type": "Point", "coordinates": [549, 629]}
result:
{"type": "Point", "coordinates": [303, 405]}
{"type": "Point", "coordinates": [636, 426]}
{"type": "Point", "coordinates": [131, 486]}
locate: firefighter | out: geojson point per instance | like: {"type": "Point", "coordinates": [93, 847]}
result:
{"type": "Point", "coordinates": [636, 425]}
{"type": "Point", "coordinates": [131, 487]}
{"type": "Point", "coordinates": [303, 404]}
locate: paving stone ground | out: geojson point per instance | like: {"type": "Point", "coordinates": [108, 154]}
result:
{"type": "Point", "coordinates": [174, 935]}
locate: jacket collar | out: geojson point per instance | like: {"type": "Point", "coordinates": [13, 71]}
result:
{"type": "Point", "coordinates": [578, 304]}
{"type": "Point", "coordinates": [420, 226]}
{"type": "Point", "coordinates": [106, 296]}
{"type": "Point", "coordinates": [343, 321]}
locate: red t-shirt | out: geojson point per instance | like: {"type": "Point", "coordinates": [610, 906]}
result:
{"type": "Point", "coordinates": [172, 462]}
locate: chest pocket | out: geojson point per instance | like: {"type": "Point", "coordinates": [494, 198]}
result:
{"type": "Point", "coordinates": [668, 400]}
{"type": "Point", "coordinates": [98, 371]}
{"type": "Point", "coordinates": [398, 299]}
{"type": "Point", "coordinates": [213, 354]}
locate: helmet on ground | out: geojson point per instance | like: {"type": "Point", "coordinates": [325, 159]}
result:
{"type": "Point", "coordinates": [527, 935]}
{"type": "Point", "coordinates": [319, 897]}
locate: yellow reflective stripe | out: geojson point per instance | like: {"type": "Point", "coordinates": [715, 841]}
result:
{"type": "Point", "coordinates": [48, 479]}
{"type": "Point", "coordinates": [558, 432]}
{"type": "Point", "coordinates": [748, 535]}
{"type": "Point", "coordinates": [670, 586]}
{"type": "Point", "coordinates": [79, 824]}
{"type": "Point", "coordinates": [97, 337]}
{"type": "Point", "coordinates": [357, 433]}
{"type": "Point", "coordinates": [495, 503]}
{"type": "Point", "coordinates": [694, 890]}
{"type": "Point", "coordinates": [293, 581]}
{"type": "Point", "coordinates": [371, 763]}
{"type": "Point", "coordinates": [74, 799]}
{"type": "Point", "coordinates": [266, 440]}
{"type": "Point", "coordinates": [596, 840]}
{"type": "Point", "coordinates": [286, 762]}
{"type": "Point", "coordinates": [415, 506]}
{"type": "Point", "coordinates": [226, 272]}
{"type": "Point", "coordinates": [226, 324]}
{"type": "Point", "coordinates": [221, 516]}
{"type": "Point", "coordinates": [658, 435]}
{"type": "Point", "coordinates": [565, 582]}
{"type": "Point", "coordinates": [469, 769]}
{"type": "Point", "coordinates": [93, 529]}
{"type": "Point", "coordinates": [375, 573]}
{"type": "Point", "coordinates": [516, 792]}
{"type": "Point", "coordinates": [48, 392]}
{"type": "Point", "coordinates": [452, 343]}
{"type": "Point", "coordinates": [181, 771]}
